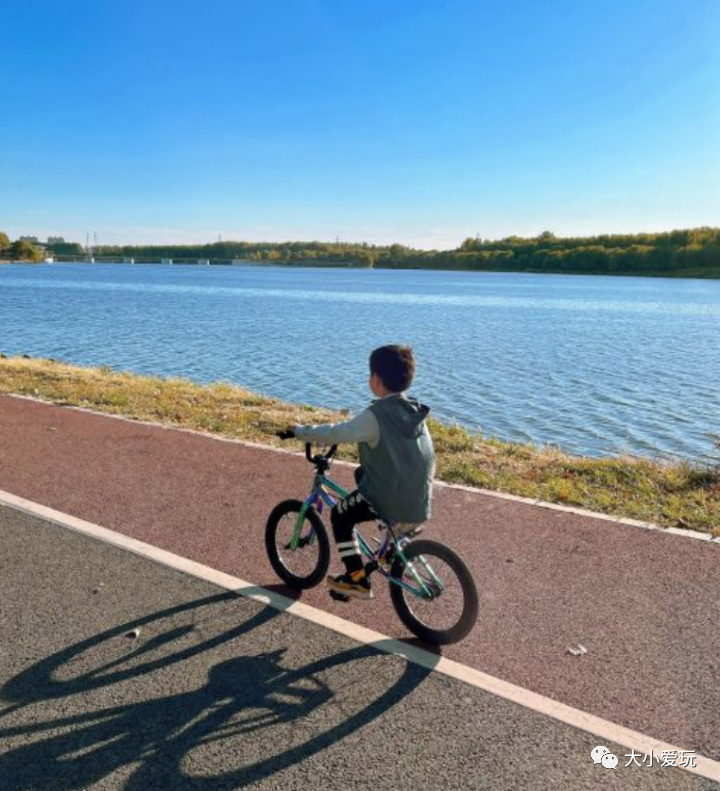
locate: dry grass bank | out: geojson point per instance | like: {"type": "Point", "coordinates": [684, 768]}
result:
{"type": "Point", "coordinates": [670, 494]}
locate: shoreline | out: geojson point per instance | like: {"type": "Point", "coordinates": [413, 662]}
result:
{"type": "Point", "coordinates": [670, 494]}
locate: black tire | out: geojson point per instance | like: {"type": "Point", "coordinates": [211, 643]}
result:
{"type": "Point", "coordinates": [307, 565]}
{"type": "Point", "coordinates": [450, 616]}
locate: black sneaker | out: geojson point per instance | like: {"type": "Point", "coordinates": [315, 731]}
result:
{"type": "Point", "coordinates": [345, 585]}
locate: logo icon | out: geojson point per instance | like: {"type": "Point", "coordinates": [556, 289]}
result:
{"type": "Point", "coordinates": [609, 761]}
{"type": "Point", "coordinates": [601, 755]}
{"type": "Point", "coordinates": [598, 753]}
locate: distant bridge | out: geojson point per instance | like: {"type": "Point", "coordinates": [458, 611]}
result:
{"type": "Point", "coordinates": [115, 259]}
{"type": "Point", "coordinates": [50, 258]}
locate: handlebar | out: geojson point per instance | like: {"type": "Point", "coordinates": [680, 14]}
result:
{"type": "Point", "coordinates": [320, 458]}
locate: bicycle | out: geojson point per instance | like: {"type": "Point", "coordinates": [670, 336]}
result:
{"type": "Point", "coordinates": [431, 588]}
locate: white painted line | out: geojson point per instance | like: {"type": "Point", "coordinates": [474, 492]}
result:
{"type": "Point", "coordinates": [617, 520]}
{"type": "Point", "coordinates": [604, 730]}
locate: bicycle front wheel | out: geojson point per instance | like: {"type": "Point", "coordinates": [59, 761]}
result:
{"type": "Point", "coordinates": [444, 608]}
{"type": "Point", "coordinates": [307, 564]}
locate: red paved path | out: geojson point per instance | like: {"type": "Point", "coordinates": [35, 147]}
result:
{"type": "Point", "coordinates": [645, 604]}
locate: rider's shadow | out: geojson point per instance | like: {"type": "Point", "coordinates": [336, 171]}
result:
{"type": "Point", "coordinates": [249, 707]}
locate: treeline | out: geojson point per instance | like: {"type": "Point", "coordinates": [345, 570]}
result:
{"type": "Point", "coordinates": [689, 253]}
{"type": "Point", "coordinates": [272, 252]}
{"type": "Point", "coordinates": [695, 252]}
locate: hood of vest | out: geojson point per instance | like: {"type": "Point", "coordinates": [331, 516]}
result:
{"type": "Point", "coordinates": [405, 414]}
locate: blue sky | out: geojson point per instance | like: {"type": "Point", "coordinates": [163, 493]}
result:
{"type": "Point", "coordinates": [413, 122]}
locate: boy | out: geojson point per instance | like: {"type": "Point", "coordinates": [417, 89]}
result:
{"type": "Point", "coordinates": [397, 462]}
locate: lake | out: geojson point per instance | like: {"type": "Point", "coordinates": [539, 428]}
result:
{"type": "Point", "coordinates": [595, 365]}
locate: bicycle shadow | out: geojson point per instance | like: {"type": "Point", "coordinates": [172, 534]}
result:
{"type": "Point", "coordinates": [241, 699]}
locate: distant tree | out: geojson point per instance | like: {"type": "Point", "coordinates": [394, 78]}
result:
{"type": "Point", "coordinates": [398, 251]}
{"type": "Point", "coordinates": [66, 248]}
{"type": "Point", "coordinates": [4, 241]}
{"type": "Point", "coordinates": [366, 258]}
{"type": "Point", "coordinates": [22, 250]}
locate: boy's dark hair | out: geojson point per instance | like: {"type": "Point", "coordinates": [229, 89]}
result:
{"type": "Point", "coordinates": [395, 365]}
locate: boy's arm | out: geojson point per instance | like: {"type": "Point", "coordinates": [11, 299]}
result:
{"type": "Point", "coordinates": [362, 428]}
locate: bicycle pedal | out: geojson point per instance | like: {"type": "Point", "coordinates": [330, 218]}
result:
{"type": "Point", "coordinates": [339, 596]}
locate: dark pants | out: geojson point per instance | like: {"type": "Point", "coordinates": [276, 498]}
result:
{"type": "Point", "coordinates": [343, 517]}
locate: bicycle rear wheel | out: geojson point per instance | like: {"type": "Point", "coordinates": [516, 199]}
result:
{"type": "Point", "coordinates": [449, 613]}
{"type": "Point", "coordinates": [307, 564]}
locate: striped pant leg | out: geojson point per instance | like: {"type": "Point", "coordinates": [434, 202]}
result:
{"type": "Point", "coordinates": [343, 517]}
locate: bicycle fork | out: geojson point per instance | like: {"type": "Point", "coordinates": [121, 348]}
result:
{"type": "Point", "coordinates": [318, 497]}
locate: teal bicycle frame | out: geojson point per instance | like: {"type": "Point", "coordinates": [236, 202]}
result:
{"type": "Point", "coordinates": [322, 494]}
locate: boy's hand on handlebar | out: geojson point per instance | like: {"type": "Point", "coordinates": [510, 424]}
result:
{"type": "Point", "coordinates": [288, 433]}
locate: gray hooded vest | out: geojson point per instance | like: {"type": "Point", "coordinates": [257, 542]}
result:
{"type": "Point", "coordinates": [397, 473]}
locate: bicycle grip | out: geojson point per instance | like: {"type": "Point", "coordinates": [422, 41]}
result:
{"type": "Point", "coordinates": [286, 434]}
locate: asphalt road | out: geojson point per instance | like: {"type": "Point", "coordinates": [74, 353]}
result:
{"type": "Point", "coordinates": [119, 673]}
